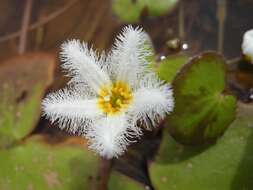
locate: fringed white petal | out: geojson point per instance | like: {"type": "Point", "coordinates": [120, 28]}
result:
{"type": "Point", "coordinates": [151, 103]}
{"type": "Point", "coordinates": [247, 45]}
{"type": "Point", "coordinates": [129, 54]}
{"type": "Point", "coordinates": [83, 65]}
{"type": "Point", "coordinates": [71, 110]}
{"type": "Point", "coordinates": [109, 136]}
{"type": "Point", "coordinates": [76, 110]}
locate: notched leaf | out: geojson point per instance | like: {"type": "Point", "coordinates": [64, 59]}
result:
{"type": "Point", "coordinates": [168, 67]}
{"type": "Point", "coordinates": [202, 110]}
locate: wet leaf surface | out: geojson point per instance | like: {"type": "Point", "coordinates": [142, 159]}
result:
{"type": "Point", "coordinates": [23, 82]}
{"type": "Point", "coordinates": [200, 102]}
{"type": "Point", "coordinates": [170, 66]}
{"type": "Point", "coordinates": [35, 164]}
{"type": "Point", "coordinates": [225, 165]}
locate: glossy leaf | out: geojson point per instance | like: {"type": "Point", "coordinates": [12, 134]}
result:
{"type": "Point", "coordinates": [170, 66]}
{"type": "Point", "coordinates": [202, 110]}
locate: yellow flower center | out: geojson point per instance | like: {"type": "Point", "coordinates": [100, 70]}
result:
{"type": "Point", "coordinates": [114, 98]}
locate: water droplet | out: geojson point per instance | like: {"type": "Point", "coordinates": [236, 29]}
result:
{"type": "Point", "coordinates": [251, 94]}
{"type": "Point", "coordinates": [185, 46]}
{"type": "Point", "coordinates": [162, 57]}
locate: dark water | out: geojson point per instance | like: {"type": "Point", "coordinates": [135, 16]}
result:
{"type": "Point", "coordinates": [204, 25]}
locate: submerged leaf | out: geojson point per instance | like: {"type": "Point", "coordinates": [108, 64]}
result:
{"type": "Point", "coordinates": [23, 81]}
{"type": "Point", "coordinates": [202, 110]}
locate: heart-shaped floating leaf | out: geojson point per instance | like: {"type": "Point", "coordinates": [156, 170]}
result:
{"type": "Point", "coordinates": [38, 165]}
{"type": "Point", "coordinates": [226, 165]}
{"type": "Point", "coordinates": [170, 66]}
{"type": "Point", "coordinates": [132, 10]}
{"type": "Point", "coordinates": [202, 110]}
{"type": "Point", "coordinates": [120, 181]}
{"type": "Point", "coordinates": [23, 81]}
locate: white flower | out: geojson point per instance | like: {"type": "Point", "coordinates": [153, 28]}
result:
{"type": "Point", "coordinates": [247, 45]}
{"type": "Point", "coordinates": [108, 95]}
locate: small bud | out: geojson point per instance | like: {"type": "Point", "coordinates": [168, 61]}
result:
{"type": "Point", "coordinates": [247, 45]}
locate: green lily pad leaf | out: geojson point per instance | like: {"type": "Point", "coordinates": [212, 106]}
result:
{"type": "Point", "coordinates": [23, 81]}
{"type": "Point", "coordinates": [38, 165]}
{"type": "Point", "coordinates": [202, 110]}
{"type": "Point", "coordinates": [131, 10]}
{"type": "Point", "coordinates": [226, 165]}
{"type": "Point", "coordinates": [170, 66]}
{"type": "Point", "coordinates": [122, 182]}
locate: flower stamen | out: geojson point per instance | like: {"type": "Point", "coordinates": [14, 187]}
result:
{"type": "Point", "coordinates": [115, 98]}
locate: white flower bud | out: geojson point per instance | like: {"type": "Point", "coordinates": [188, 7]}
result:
{"type": "Point", "coordinates": [247, 45]}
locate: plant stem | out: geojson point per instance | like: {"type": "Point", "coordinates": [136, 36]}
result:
{"type": "Point", "coordinates": [44, 21]}
{"type": "Point", "coordinates": [104, 173]}
{"type": "Point", "coordinates": [24, 26]}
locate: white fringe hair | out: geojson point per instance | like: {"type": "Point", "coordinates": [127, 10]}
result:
{"type": "Point", "coordinates": [75, 108]}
